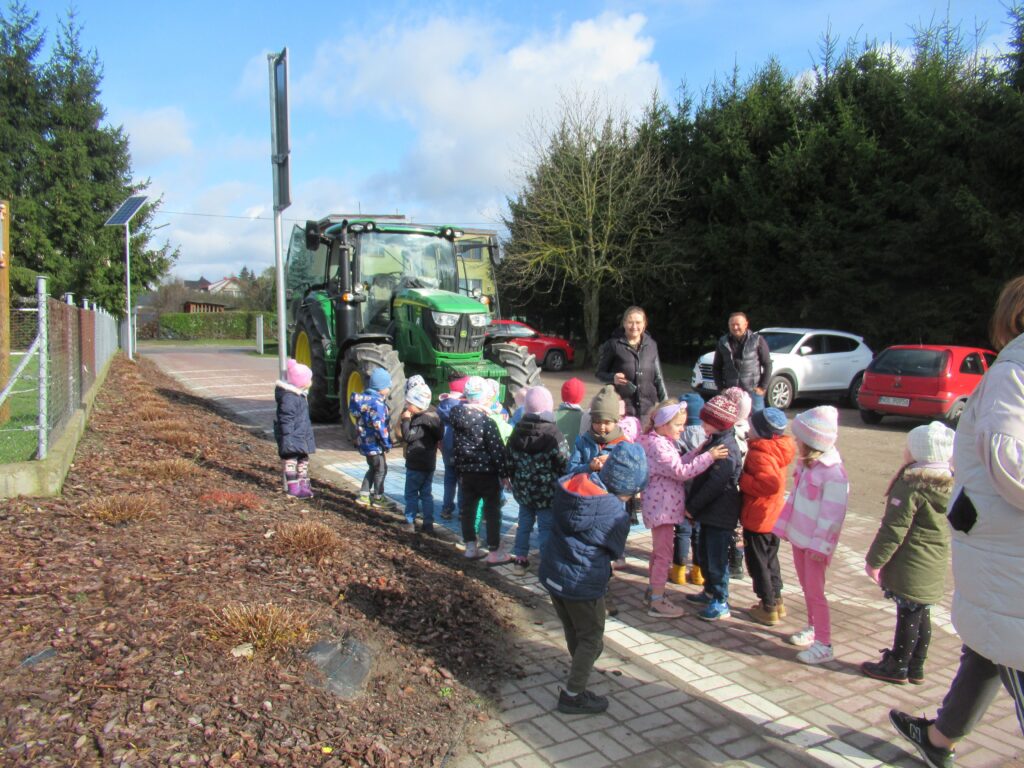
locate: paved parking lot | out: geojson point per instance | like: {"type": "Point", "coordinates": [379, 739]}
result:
{"type": "Point", "coordinates": [683, 692]}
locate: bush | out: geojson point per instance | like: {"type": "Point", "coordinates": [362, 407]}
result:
{"type": "Point", "coordinates": [216, 325]}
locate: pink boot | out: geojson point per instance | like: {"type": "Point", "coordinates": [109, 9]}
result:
{"type": "Point", "coordinates": [305, 491]}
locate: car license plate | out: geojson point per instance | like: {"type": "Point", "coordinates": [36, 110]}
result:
{"type": "Point", "coordinates": [902, 402]}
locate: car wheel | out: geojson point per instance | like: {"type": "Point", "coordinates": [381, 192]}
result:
{"type": "Point", "coordinates": [780, 393]}
{"type": "Point", "coordinates": [953, 417]}
{"type": "Point", "coordinates": [870, 417]}
{"type": "Point", "coordinates": [854, 390]}
{"type": "Point", "coordinates": [555, 361]}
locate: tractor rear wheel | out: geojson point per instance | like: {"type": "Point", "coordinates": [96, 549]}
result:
{"type": "Point", "coordinates": [308, 349]}
{"type": "Point", "coordinates": [360, 361]}
{"type": "Point", "coordinates": [520, 364]}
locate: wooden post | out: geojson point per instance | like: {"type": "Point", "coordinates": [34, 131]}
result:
{"type": "Point", "coordinates": [5, 303]}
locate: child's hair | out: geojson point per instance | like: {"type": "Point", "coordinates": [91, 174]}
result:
{"type": "Point", "coordinates": [807, 455]}
{"type": "Point", "coordinates": [650, 423]}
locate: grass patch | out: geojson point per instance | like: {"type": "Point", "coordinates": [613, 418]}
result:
{"type": "Point", "coordinates": [231, 501]}
{"type": "Point", "coordinates": [122, 508]}
{"type": "Point", "coordinates": [177, 438]}
{"type": "Point", "coordinates": [168, 469]}
{"type": "Point", "coordinates": [307, 539]}
{"type": "Point", "coordinates": [152, 413]}
{"type": "Point", "coordinates": [22, 410]}
{"type": "Point", "coordinates": [270, 628]}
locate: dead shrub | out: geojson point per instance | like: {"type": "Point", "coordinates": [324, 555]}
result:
{"type": "Point", "coordinates": [183, 441]}
{"type": "Point", "coordinates": [231, 501]}
{"type": "Point", "coordinates": [168, 469]}
{"type": "Point", "coordinates": [309, 539]}
{"type": "Point", "coordinates": [121, 508]}
{"type": "Point", "coordinates": [152, 413]}
{"type": "Point", "coordinates": [169, 424]}
{"type": "Point", "coordinates": [270, 628]}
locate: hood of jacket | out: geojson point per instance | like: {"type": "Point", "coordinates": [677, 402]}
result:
{"type": "Point", "coordinates": [535, 433]}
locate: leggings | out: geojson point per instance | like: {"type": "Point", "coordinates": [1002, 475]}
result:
{"type": "Point", "coordinates": [811, 573]}
{"type": "Point", "coordinates": [377, 470]}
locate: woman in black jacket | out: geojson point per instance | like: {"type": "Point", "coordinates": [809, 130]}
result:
{"type": "Point", "coordinates": [629, 361]}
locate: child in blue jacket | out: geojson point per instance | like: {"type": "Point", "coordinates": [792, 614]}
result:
{"type": "Point", "coordinates": [588, 532]}
{"type": "Point", "coordinates": [373, 419]}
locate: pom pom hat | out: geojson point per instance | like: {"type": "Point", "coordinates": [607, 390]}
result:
{"type": "Point", "coordinates": [817, 428]}
{"type": "Point", "coordinates": [720, 412]}
{"type": "Point", "coordinates": [299, 375]}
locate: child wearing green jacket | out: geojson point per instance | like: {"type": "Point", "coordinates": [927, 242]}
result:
{"type": "Point", "coordinates": [910, 553]}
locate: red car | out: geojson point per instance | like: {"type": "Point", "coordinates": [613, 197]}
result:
{"type": "Point", "coordinates": [552, 352]}
{"type": "Point", "coordinates": [925, 381]}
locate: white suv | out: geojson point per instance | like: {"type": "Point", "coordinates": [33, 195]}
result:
{"type": "Point", "coordinates": [805, 361]}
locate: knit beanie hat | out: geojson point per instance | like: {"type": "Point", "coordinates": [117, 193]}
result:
{"type": "Point", "coordinates": [768, 422]}
{"type": "Point", "coordinates": [418, 394]}
{"type": "Point", "coordinates": [458, 385]}
{"type": "Point", "coordinates": [720, 412]}
{"type": "Point", "coordinates": [379, 379]}
{"type": "Point", "coordinates": [573, 391]}
{"type": "Point", "coordinates": [743, 402]}
{"type": "Point", "coordinates": [475, 389]}
{"type": "Point", "coordinates": [931, 443]}
{"type": "Point", "coordinates": [693, 403]}
{"type": "Point", "coordinates": [817, 428]}
{"type": "Point", "coordinates": [299, 375]}
{"type": "Point", "coordinates": [625, 471]}
{"type": "Point", "coordinates": [605, 405]}
{"type": "Point", "coordinates": [491, 388]}
{"type": "Point", "coordinates": [538, 400]}
{"type": "Point", "coordinates": [519, 396]}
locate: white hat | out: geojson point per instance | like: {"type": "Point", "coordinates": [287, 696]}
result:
{"type": "Point", "coordinates": [931, 443]}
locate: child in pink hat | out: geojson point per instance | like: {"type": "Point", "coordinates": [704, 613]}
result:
{"type": "Point", "coordinates": [293, 430]}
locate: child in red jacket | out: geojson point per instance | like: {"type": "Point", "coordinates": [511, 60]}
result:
{"type": "Point", "coordinates": [763, 485]}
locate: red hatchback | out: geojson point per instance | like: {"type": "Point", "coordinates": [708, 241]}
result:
{"type": "Point", "coordinates": [925, 381]}
{"type": "Point", "coordinates": [552, 352]}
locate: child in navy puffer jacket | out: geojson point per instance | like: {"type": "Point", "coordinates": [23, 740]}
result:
{"type": "Point", "coordinates": [373, 418]}
{"type": "Point", "coordinates": [293, 430]}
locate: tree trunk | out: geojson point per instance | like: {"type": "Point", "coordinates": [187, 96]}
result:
{"type": "Point", "coordinates": [591, 315]}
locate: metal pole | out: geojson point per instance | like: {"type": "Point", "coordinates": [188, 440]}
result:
{"type": "Point", "coordinates": [259, 333]}
{"type": "Point", "coordinates": [128, 285]}
{"type": "Point", "coordinates": [44, 377]}
{"type": "Point", "coordinates": [282, 326]}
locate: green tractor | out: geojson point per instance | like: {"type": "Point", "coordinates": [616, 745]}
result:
{"type": "Point", "coordinates": [378, 292]}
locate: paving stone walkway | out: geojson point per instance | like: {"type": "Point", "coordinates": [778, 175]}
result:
{"type": "Point", "coordinates": [683, 692]}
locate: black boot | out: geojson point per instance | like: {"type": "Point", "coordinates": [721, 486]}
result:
{"type": "Point", "coordinates": [887, 669]}
{"type": "Point", "coordinates": [736, 563]}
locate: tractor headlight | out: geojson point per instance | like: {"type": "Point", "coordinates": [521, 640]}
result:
{"type": "Point", "coordinates": [445, 319]}
{"type": "Point", "coordinates": [478, 321]}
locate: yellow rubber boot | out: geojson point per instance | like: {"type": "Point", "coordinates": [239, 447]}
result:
{"type": "Point", "coordinates": [695, 576]}
{"type": "Point", "coordinates": [677, 574]}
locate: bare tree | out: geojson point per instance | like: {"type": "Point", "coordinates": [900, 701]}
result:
{"type": "Point", "coordinates": [594, 198]}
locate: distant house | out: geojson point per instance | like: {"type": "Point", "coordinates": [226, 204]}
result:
{"type": "Point", "coordinates": [228, 286]}
{"type": "Point", "coordinates": [193, 307]}
{"type": "Point", "coordinates": [202, 284]}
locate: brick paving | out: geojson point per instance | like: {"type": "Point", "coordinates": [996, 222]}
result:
{"type": "Point", "coordinates": [683, 692]}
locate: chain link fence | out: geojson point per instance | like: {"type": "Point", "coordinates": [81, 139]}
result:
{"type": "Point", "coordinates": [56, 351]}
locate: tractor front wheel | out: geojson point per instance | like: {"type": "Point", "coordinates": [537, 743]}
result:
{"type": "Point", "coordinates": [360, 361]}
{"type": "Point", "coordinates": [521, 366]}
{"type": "Point", "coordinates": [308, 349]}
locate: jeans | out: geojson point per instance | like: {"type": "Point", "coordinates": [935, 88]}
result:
{"type": "Point", "coordinates": [452, 489]}
{"type": "Point", "coordinates": [419, 495]}
{"type": "Point", "coordinates": [527, 516]}
{"type": "Point", "coordinates": [681, 551]}
{"type": "Point", "coordinates": [756, 402]}
{"type": "Point", "coordinates": [714, 560]}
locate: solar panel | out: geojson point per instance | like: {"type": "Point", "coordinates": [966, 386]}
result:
{"type": "Point", "coordinates": [128, 209]}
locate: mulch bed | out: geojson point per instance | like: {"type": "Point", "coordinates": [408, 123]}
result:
{"type": "Point", "coordinates": [112, 598]}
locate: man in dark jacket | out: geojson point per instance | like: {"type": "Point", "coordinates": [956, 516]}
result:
{"type": "Point", "coordinates": [742, 359]}
{"type": "Point", "coordinates": [481, 462]}
{"type": "Point", "coordinates": [714, 501]}
{"type": "Point", "coordinates": [538, 455]}
{"type": "Point", "coordinates": [422, 431]}
{"type": "Point", "coordinates": [629, 361]}
{"type": "Point", "coordinates": [589, 528]}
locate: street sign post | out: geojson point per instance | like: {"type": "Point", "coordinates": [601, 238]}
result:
{"type": "Point", "coordinates": [279, 151]}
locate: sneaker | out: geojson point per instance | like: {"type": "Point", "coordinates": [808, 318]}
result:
{"type": "Point", "coordinates": [520, 566]}
{"type": "Point", "coordinates": [715, 610]}
{"type": "Point", "coordinates": [817, 653]}
{"type": "Point", "coordinates": [736, 571]}
{"type": "Point", "coordinates": [619, 564]}
{"type": "Point", "coordinates": [646, 600]}
{"type": "Point", "coordinates": [446, 514]}
{"type": "Point", "coordinates": [382, 502]}
{"type": "Point", "coordinates": [610, 606]}
{"type": "Point", "coordinates": [915, 673]}
{"type": "Point", "coordinates": [585, 703]}
{"type": "Point", "coordinates": [803, 638]}
{"type": "Point", "coordinates": [497, 557]}
{"type": "Point", "coordinates": [677, 574]}
{"type": "Point", "coordinates": [695, 576]}
{"type": "Point", "coordinates": [915, 730]}
{"type": "Point", "coordinates": [664, 609]}
{"type": "Point", "coordinates": [363, 500]}
{"type": "Point", "coordinates": [703, 598]}
{"type": "Point", "coordinates": [472, 551]}
{"type": "Point", "coordinates": [762, 614]}
{"type": "Point", "coordinates": [887, 669]}
{"type": "Point", "coordinates": [409, 526]}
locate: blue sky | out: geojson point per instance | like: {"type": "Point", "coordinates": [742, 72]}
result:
{"type": "Point", "coordinates": [418, 108]}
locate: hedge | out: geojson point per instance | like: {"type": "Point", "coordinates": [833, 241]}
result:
{"type": "Point", "coordinates": [216, 325]}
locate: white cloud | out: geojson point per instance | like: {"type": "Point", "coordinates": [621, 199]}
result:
{"type": "Point", "coordinates": [470, 98]}
{"type": "Point", "coordinates": [157, 135]}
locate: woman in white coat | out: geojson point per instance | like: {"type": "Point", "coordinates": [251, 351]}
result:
{"type": "Point", "coordinates": [987, 517]}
